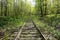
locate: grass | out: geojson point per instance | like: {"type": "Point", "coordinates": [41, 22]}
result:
{"type": "Point", "coordinates": [12, 23]}
{"type": "Point", "coordinates": [47, 28]}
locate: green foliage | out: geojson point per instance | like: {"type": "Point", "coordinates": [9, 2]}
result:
{"type": "Point", "coordinates": [17, 12]}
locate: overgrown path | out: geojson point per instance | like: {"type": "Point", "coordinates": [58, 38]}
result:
{"type": "Point", "coordinates": [28, 31]}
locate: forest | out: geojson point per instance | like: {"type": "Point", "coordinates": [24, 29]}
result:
{"type": "Point", "coordinates": [45, 13]}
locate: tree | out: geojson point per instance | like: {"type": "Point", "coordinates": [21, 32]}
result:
{"type": "Point", "coordinates": [41, 6]}
{"type": "Point", "coordinates": [6, 4]}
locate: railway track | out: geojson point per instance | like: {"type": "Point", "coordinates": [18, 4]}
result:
{"type": "Point", "coordinates": [27, 32]}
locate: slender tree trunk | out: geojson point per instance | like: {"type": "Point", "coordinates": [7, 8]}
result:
{"type": "Point", "coordinates": [6, 3]}
{"type": "Point", "coordinates": [41, 7]}
{"type": "Point", "coordinates": [1, 8]}
{"type": "Point", "coordinates": [45, 7]}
